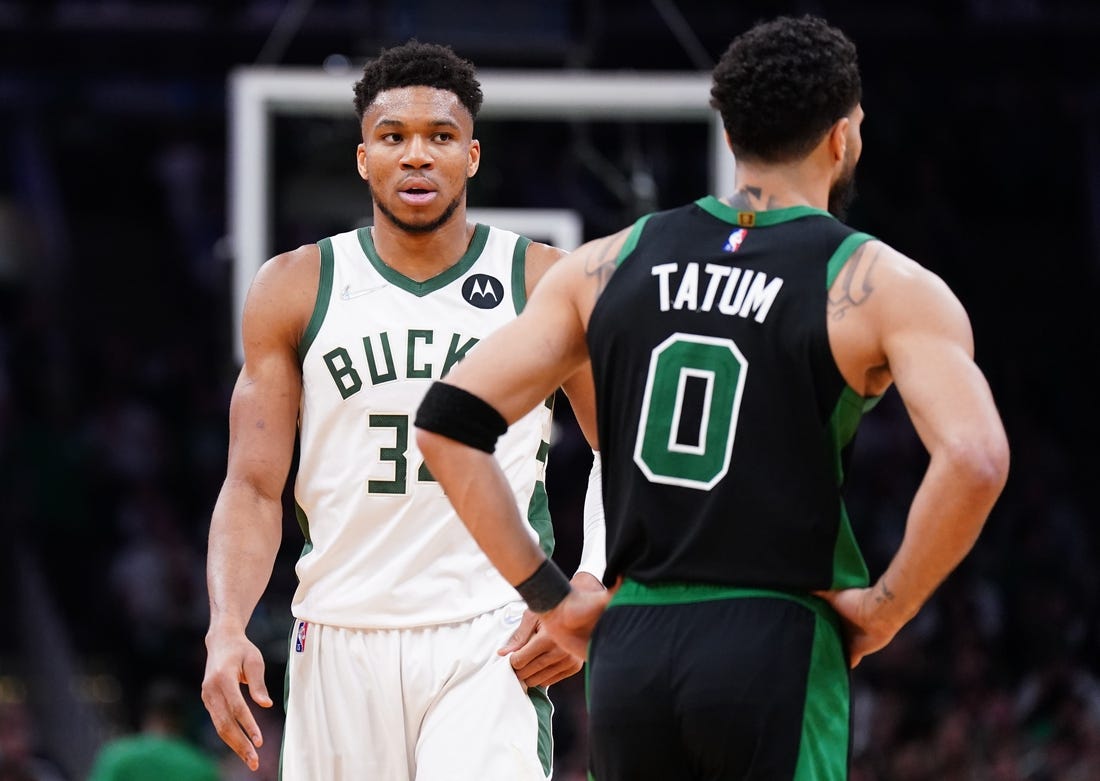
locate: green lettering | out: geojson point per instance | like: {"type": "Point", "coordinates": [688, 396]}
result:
{"type": "Point", "coordinates": [413, 373]}
{"type": "Point", "coordinates": [455, 353]}
{"type": "Point", "coordinates": [343, 373]}
{"type": "Point", "coordinates": [395, 454]}
{"type": "Point", "coordinates": [391, 372]}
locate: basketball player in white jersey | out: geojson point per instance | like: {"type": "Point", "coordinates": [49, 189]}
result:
{"type": "Point", "coordinates": [411, 658]}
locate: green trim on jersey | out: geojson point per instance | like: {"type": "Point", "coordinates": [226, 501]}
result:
{"type": "Point", "coordinates": [544, 712]}
{"type": "Point", "coordinates": [538, 509]}
{"type": "Point", "coordinates": [324, 295]}
{"type": "Point", "coordinates": [849, 568]}
{"type": "Point", "coordinates": [823, 747]}
{"type": "Point", "coordinates": [440, 280]}
{"type": "Point", "coordinates": [303, 523]}
{"type": "Point", "coordinates": [750, 219]}
{"type": "Point", "coordinates": [632, 239]}
{"type": "Point", "coordinates": [538, 515]}
{"type": "Point", "coordinates": [519, 273]}
{"type": "Point", "coordinates": [825, 720]}
{"type": "Point", "coordinates": [843, 424]}
{"type": "Point", "coordinates": [841, 255]}
{"type": "Point", "coordinates": [631, 592]}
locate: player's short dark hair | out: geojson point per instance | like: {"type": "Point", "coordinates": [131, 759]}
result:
{"type": "Point", "coordinates": [416, 64]}
{"type": "Point", "coordinates": [782, 84]}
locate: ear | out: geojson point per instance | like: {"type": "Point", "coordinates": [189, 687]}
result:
{"type": "Point", "coordinates": [475, 158]}
{"type": "Point", "coordinates": [838, 139]}
{"type": "Point", "coordinates": [361, 161]}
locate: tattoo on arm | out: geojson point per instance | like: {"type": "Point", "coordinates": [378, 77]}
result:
{"type": "Point", "coordinates": [883, 592]}
{"type": "Point", "coordinates": [854, 286]}
{"type": "Point", "coordinates": [601, 261]}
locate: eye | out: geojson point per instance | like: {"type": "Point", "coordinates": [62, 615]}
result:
{"type": "Point", "coordinates": [442, 137]}
{"type": "Point", "coordinates": [392, 138]}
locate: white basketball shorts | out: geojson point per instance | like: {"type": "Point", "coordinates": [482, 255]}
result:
{"type": "Point", "coordinates": [432, 703]}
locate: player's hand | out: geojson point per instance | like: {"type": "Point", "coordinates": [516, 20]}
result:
{"type": "Point", "coordinates": [572, 621]}
{"type": "Point", "coordinates": [536, 658]}
{"type": "Point", "coordinates": [864, 630]}
{"type": "Point", "coordinates": [232, 660]}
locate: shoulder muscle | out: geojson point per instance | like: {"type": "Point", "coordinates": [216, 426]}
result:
{"type": "Point", "coordinates": [280, 299]}
{"type": "Point", "coordinates": [540, 257]}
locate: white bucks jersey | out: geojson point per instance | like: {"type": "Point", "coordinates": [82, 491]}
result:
{"type": "Point", "coordinates": [384, 548]}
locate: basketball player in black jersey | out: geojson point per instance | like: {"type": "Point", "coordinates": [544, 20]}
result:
{"type": "Point", "coordinates": [735, 344]}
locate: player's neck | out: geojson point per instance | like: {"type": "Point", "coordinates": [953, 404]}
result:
{"type": "Point", "coordinates": [767, 187]}
{"type": "Point", "coordinates": [421, 256]}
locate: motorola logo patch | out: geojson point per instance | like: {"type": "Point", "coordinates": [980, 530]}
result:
{"type": "Point", "coordinates": [483, 291]}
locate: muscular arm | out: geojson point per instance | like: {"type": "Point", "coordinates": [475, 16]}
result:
{"type": "Point", "coordinates": [923, 342]}
{"type": "Point", "coordinates": [600, 261]}
{"type": "Point", "coordinates": [246, 525]}
{"type": "Point", "coordinates": [536, 658]}
{"type": "Point", "coordinates": [581, 392]}
{"type": "Point", "coordinates": [514, 370]}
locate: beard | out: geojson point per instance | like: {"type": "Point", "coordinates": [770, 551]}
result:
{"type": "Point", "coordinates": [423, 227]}
{"type": "Point", "coordinates": [843, 192]}
{"type": "Point", "coordinates": [841, 195]}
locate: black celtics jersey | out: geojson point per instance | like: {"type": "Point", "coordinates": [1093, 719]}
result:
{"type": "Point", "coordinates": [724, 422]}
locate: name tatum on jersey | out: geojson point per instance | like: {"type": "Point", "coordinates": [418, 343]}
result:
{"type": "Point", "coordinates": [744, 292]}
{"type": "Point", "coordinates": [383, 369]}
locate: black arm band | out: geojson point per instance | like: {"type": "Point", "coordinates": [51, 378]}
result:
{"type": "Point", "coordinates": [545, 588]}
{"type": "Point", "coordinates": [460, 415]}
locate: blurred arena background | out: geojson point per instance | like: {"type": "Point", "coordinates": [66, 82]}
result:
{"type": "Point", "coordinates": [117, 348]}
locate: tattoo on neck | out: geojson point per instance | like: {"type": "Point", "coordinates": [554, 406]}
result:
{"type": "Point", "coordinates": [854, 286]}
{"type": "Point", "coordinates": [750, 198]}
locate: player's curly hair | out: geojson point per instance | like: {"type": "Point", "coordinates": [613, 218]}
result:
{"type": "Point", "coordinates": [781, 85]}
{"type": "Point", "coordinates": [416, 64]}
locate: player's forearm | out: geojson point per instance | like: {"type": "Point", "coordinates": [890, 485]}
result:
{"type": "Point", "coordinates": [245, 532]}
{"type": "Point", "coordinates": [947, 515]}
{"type": "Point", "coordinates": [483, 499]}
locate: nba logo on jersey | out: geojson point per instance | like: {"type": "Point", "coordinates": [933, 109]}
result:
{"type": "Point", "coordinates": [733, 243]}
{"type": "Point", "coordinates": [300, 641]}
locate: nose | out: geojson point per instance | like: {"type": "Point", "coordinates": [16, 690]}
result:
{"type": "Point", "coordinates": [417, 153]}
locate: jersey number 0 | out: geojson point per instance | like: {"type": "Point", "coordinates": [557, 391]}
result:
{"type": "Point", "coordinates": [689, 410]}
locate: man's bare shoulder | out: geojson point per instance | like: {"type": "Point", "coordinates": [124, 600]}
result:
{"type": "Point", "coordinates": [284, 290]}
{"type": "Point", "coordinates": [595, 258]}
{"type": "Point", "coordinates": [878, 275]}
{"type": "Point", "coordinates": [599, 258]}
{"type": "Point", "coordinates": [540, 259]}
{"type": "Point", "coordinates": [289, 275]}
{"type": "Point", "coordinates": [305, 261]}
{"type": "Point", "coordinates": [881, 293]}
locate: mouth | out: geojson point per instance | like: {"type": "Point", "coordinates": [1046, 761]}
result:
{"type": "Point", "coordinates": [416, 195]}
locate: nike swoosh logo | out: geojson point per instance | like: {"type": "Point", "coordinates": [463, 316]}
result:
{"type": "Point", "coordinates": [347, 293]}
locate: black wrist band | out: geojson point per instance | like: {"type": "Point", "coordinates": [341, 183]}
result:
{"type": "Point", "coordinates": [546, 587]}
